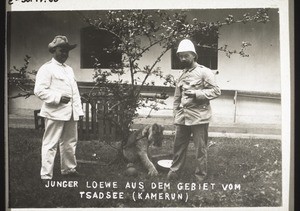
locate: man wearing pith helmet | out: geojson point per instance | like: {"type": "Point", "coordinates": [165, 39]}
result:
{"type": "Point", "coordinates": [56, 86]}
{"type": "Point", "coordinates": [192, 111]}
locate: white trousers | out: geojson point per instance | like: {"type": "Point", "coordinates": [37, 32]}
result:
{"type": "Point", "coordinates": [65, 134]}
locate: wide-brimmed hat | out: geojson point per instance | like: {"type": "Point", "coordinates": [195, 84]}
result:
{"type": "Point", "coordinates": [60, 41]}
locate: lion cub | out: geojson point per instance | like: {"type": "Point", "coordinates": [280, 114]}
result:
{"type": "Point", "coordinates": [138, 144]}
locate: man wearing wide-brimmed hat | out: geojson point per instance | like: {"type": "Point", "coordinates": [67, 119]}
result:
{"type": "Point", "coordinates": [56, 86]}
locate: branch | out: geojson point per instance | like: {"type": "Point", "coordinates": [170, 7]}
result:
{"type": "Point", "coordinates": [110, 31]}
{"type": "Point", "coordinates": [26, 95]}
{"type": "Point", "coordinates": [131, 63]}
{"type": "Point", "coordinates": [229, 52]}
{"type": "Point", "coordinates": [150, 70]}
{"type": "Point", "coordinates": [154, 43]}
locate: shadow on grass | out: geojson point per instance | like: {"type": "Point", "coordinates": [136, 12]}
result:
{"type": "Point", "coordinates": [241, 173]}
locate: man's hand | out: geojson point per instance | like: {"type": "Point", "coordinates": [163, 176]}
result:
{"type": "Point", "coordinates": [190, 93]}
{"type": "Point", "coordinates": [65, 99]}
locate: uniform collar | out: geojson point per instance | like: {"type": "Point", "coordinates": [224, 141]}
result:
{"type": "Point", "coordinates": [58, 63]}
{"type": "Point", "coordinates": [191, 69]}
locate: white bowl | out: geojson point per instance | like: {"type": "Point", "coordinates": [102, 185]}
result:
{"type": "Point", "coordinates": [166, 164]}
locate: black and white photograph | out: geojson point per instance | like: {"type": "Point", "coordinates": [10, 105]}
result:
{"type": "Point", "coordinates": [165, 104]}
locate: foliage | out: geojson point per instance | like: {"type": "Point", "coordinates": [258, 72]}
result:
{"type": "Point", "coordinates": [22, 78]}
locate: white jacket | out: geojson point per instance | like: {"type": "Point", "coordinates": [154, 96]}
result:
{"type": "Point", "coordinates": [52, 81]}
{"type": "Point", "coordinates": [197, 110]}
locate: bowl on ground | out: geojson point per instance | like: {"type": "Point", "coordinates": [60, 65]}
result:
{"type": "Point", "coordinates": [164, 164]}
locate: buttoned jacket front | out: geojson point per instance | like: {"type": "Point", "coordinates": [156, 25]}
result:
{"type": "Point", "coordinates": [52, 81]}
{"type": "Point", "coordinates": [195, 110]}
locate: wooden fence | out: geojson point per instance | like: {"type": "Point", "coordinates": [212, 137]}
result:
{"type": "Point", "coordinates": [95, 124]}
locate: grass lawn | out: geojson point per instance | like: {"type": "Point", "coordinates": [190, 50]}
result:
{"type": "Point", "coordinates": [249, 169]}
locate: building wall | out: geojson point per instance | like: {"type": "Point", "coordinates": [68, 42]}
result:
{"type": "Point", "coordinates": [253, 108]}
{"type": "Point", "coordinates": [30, 33]}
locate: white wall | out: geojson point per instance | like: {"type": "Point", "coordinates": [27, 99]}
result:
{"type": "Point", "coordinates": [247, 110]}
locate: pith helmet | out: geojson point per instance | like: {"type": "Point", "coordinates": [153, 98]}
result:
{"type": "Point", "coordinates": [187, 46]}
{"type": "Point", "coordinates": [60, 41]}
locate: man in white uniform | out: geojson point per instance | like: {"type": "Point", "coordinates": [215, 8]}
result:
{"type": "Point", "coordinates": [56, 86]}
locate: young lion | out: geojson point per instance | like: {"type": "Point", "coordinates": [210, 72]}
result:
{"type": "Point", "coordinates": [138, 144]}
